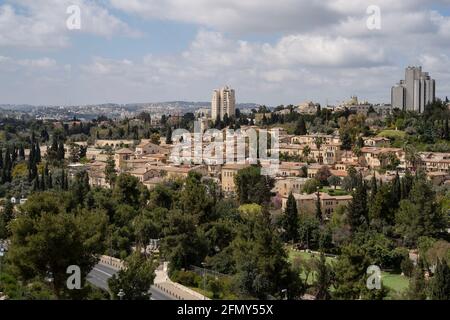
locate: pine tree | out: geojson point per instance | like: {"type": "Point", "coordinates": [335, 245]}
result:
{"type": "Point", "coordinates": [440, 283]}
{"type": "Point", "coordinates": [291, 220]}
{"type": "Point", "coordinates": [300, 129]}
{"type": "Point", "coordinates": [346, 141]}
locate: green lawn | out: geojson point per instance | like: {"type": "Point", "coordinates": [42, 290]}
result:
{"type": "Point", "coordinates": [332, 191]}
{"type": "Point", "coordinates": [394, 134]}
{"type": "Point", "coordinates": [393, 281]}
{"type": "Point", "coordinates": [305, 256]}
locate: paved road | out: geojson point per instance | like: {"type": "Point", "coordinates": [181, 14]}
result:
{"type": "Point", "coordinates": [100, 274]}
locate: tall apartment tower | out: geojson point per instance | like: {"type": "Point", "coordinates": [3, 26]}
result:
{"type": "Point", "coordinates": [223, 102]}
{"type": "Point", "coordinates": [415, 92]}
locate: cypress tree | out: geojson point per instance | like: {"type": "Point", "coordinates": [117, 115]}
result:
{"type": "Point", "coordinates": [373, 188]}
{"type": "Point", "coordinates": [440, 283]}
{"type": "Point", "coordinates": [396, 191]}
{"type": "Point", "coordinates": [37, 152]}
{"type": "Point", "coordinates": [417, 285]}
{"type": "Point", "coordinates": [36, 184]}
{"type": "Point", "coordinates": [42, 182]}
{"type": "Point", "coordinates": [357, 209]}
{"type": "Point", "coordinates": [7, 165]}
{"type": "Point", "coordinates": [290, 220]}
{"type": "Point", "coordinates": [60, 152]}
{"type": "Point", "coordinates": [13, 154]}
{"type": "Point", "coordinates": [406, 184]}
{"type": "Point", "coordinates": [318, 208]}
{"type": "Point", "coordinates": [61, 180]}
{"type": "Point", "coordinates": [66, 182]}
{"type": "Point", "coordinates": [50, 181]}
{"type": "Point", "coordinates": [446, 134]}
{"type": "Point", "coordinates": [324, 278]}
{"type": "Point", "coordinates": [21, 153]}
{"type": "Point", "coordinates": [169, 135]}
{"type": "Point", "coordinates": [54, 146]}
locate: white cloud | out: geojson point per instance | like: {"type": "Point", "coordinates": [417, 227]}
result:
{"type": "Point", "coordinates": [318, 49]}
{"type": "Point", "coordinates": [9, 63]}
{"type": "Point", "coordinates": [324, 52]}
{"type": "Point", "coordinates": [42, 23]}
{"type": "Point", "coordinates": [237, 15]}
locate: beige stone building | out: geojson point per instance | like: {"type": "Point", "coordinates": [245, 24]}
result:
{"type": "Point", "coordinates": [229, 171]}
{"type": "Point", "coordinates": [285, 185]}
{"type": "Point", "coordinates": [376, 141]}
{"type": "Point", "coordinates": [121, 157]}
{"type": "Point", "coordinates": [433, 161]}
{"type": "Point", "coordinates": [96, 173]}
{"type": "Point", "coordinates": [311, 139]}
{"type": "Point", "coordinates": [114, 143]}
{"type": "Point", "coordinates": [377, 157]}
{"type": "Point", "coordinates": [306, 203]}
{"type": "Point", "coordinates": [146, 148]}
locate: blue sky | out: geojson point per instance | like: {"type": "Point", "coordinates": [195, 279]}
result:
{"type": "Point", "coordinates": [272, 53]}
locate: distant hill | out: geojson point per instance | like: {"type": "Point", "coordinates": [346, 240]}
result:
{"type": "Point", "coordinates": [133, 106]}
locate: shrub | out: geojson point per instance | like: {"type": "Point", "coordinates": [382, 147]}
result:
{"type": "Point", "coordinates": [186, 278]}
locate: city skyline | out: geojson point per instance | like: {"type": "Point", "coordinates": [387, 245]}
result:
{"type": "Point", "coordinates": [143, 52]}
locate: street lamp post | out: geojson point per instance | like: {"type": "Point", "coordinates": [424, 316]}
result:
{"type": "Point", "coordinates": [49, 278]}
{"type": "Point", "coordinates": [121, 294]}
{"type": "Point", "coordinates": [1, 260]}
{"type": "Point", "coordinates": [204, 278]}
